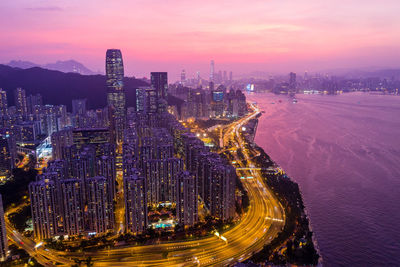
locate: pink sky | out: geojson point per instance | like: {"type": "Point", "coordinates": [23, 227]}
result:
{"type": "Point", "coordinates": [243, 36]}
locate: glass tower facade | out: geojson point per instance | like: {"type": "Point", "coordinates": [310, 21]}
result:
{"type": "Point", "coordinates": [115, 93]}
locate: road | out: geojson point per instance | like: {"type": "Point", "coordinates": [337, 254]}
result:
{"type": "Point", "coordinates": [262, 222]}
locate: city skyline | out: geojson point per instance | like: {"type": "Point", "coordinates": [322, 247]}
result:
{"type": "Point", "coordinates": [261, 36]}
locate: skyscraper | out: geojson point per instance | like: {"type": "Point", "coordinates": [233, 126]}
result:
{"type": "Point", "coordinates": [20, 102]}
{"type": "Point", "coordinates": [292, 82]}
{"type": "Point", "coordinates": [71, 201]}
{"type": "Point", "coordinates": [3, 103]}
{"type": "Point", "coordinates": [79, 106]}
{"type": "Point", "coordinates": [135, 203]}
{"type": "Point", "coordinates": [146, 100]}
{"type": "Point", "coordinates": [183, 77]}
{"type": "Point", "coordinates": [7, 154]}
{"type": "Point", "coordinates": [3, 234]}
{"type": "Point", "coordinates": [186, 199]}
{"type": "Point", "coordinates": [33, 103]}
{"type": "Point", "coordinates": [115, 92]}
{"type": "Point", "coordinates": [212, 71]}
{"type": "Point", "coordinates": [100, 212]}
{"type": "Point", "coordinates": [43, 205]}
{"type": "Point", "coordinates": [159, 82]}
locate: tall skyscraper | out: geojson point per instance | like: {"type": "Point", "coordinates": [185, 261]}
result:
{"type": "Point", "coordinates": [212, 71]}
{"type": "Point", "coordinates": [183, 77]}
{"type": "Point", "coordinates": [159, 81]}
{"type": "Point", "coordinates": [3, 234]}
{"type": "Point", "coordinates": [292, 82]}
{"type": "Point", "coordinates": [230, 76]}
{"type": "Point", "coordinates": [20, 102]}
{"type": "Point", "coordinates": [3, 103]}
{"type": "Point", "coordinates": [115, 92]}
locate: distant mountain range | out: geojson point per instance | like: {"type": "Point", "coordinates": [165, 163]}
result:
{"type": "Point", "coordinates": [63, 66]}
{"type": "Point", "coordinates": [61, 88]}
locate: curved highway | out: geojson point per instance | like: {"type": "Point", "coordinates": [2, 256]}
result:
{"type": "Point", "coordinates": [263, 221]}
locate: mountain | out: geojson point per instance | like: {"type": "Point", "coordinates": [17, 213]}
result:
{"type": "Point", "coordinates": [69, 66]}
{"type": "Point", "coordinates": [60, 88]}
{"type": "Point", "coordinates": [64, 66]}
{"type": "Point", "coordinates": [22, 64]}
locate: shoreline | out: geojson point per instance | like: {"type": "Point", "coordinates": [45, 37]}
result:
{"type": "Point", "coordinates": [304, 208]}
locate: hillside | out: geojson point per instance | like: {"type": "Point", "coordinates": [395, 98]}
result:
{"type": "Point", "coordinates": [60, 88]}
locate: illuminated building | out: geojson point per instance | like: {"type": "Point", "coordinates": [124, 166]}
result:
{"type": "Point", "coordinates": [146, 100]}
{"type": "Point", "coordinates": [183, 77]}
{"type": "Point", "coordinates": [212, 71]}
{"type": "Point", "coordinates": [292, 82]}
{"type": "Point", "coordinates": [135, 203]}
{"type": "Point", "coordinates": [186, 199]}
{"type": "Point", "coordinates": [72, 202]}
{"type": "Point", "coordinates": [159, 82]}
{"type": "Point", "coordinates": [7, 154]}
{"type": "Point", "coordinates": [115, 92]}
{"type": "Point", "coordinates": [3, 103]}
{"type": "Point", "coordinates": [20, 102]}
{"type": "Point", "coordinates": [100, 212]}
{"type": "Point", "coordinates": [160, 175]}
{"type": "Point", "coordinates": [60, 141]}
{"type": "Point", "coordinates": [43, 206]}
{"type": "Point", "coordinates": [79, 106]}
{"type": "Point", "coordinates": [3, 234]}
{"type": "Point", "coordinates": [105, 166]}
{"type": "Point", "coordinates": [222, 191]}
{"type": "Point", "coordinates": [34, 102]}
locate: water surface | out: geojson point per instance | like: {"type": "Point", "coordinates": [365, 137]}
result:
{"type": "Point", "coordinates": [344, 151]}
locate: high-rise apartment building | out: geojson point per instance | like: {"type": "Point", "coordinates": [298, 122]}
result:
{"type": "Point", "coordinates": [33, 103]}
{"type": "Point", "coordinates": [43, 206]}
{"type": "Point", "coordinates": [146, 100]}
{"type": "Point", "coordinates": [135, 203]}
{"type": "Point", "coordinates": [159, 81]}
{"type": "Point", "coordinates": [115, 92]}
{"type": "Point", "coordinates": [186, 199]}
{"type": "Point", "coordinates": [105, 166]}
{"type": "Point", "coordinates": [100, 212]}
{"type": "Point", "coordinates": [3, 234]}
{"type": "Point", "coordinates": [7, 153]}
{"type": "Point", "coordinates": [3, 103]}
{"type": "Point", "coordinates": [71, 199]}
{"type": "Point", "coordinates": [160, 177]}
{"type": "Point", "coordinates": [20, 102]}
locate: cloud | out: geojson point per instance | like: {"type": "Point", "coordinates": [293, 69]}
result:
{"type": "Point", "coordinates": [46, 8]}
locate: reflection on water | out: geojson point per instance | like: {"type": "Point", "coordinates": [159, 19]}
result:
{"type": "Point", "coordinates": [344, 151]}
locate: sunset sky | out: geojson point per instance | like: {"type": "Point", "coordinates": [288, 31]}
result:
{"type": "Point", "coordinates": [242, 36]}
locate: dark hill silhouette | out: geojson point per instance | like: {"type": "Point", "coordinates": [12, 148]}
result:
{"type": "Point", "coordinates": [60, 88]}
